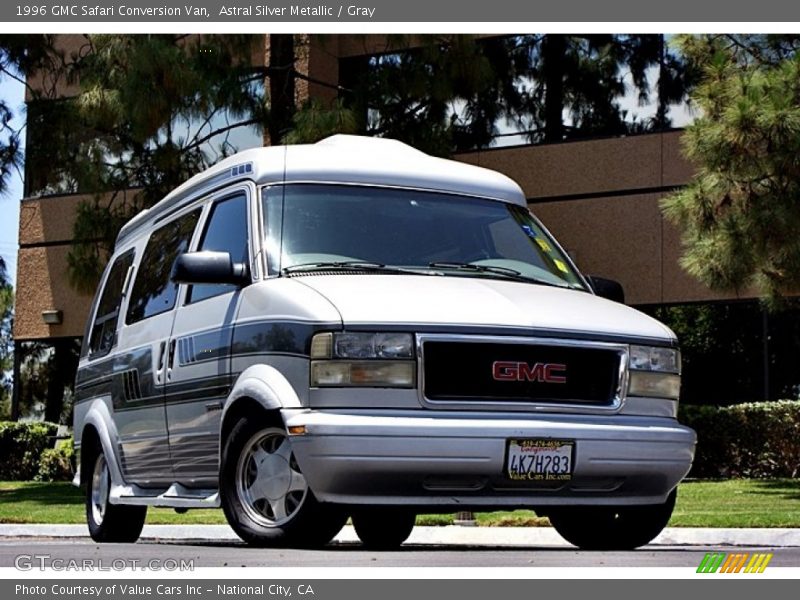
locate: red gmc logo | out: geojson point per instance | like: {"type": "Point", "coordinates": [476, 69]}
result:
{"type": "Point", "coordinates": [503, 370]}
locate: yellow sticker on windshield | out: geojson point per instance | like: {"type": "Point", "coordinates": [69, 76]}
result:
{"type": "Point", "coordinates": [543, 245]}
{"type": "Point", "coordinates": [561, 266]}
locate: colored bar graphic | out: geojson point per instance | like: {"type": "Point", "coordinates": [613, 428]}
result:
{"type": "Point", "coordinates": [758, 563]}
{"type": "Point", "coordinates": [711, 562]}
{"type": "Point", "coordinates": [734, 563]}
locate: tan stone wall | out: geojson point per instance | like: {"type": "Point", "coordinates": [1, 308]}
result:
{"type": "Point", "coordinates": [592, 166]}
{"type": "Point", "coordinates": [42, 285]}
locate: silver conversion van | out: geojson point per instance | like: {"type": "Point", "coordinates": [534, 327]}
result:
{"type": "Point", "coordinates": [353, 328]}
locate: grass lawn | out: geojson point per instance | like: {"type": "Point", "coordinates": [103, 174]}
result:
{"type": "Point", "coordinates": [729, 503]}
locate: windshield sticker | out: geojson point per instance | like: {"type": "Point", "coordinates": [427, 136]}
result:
{"type": "Point", "coordinates": [561, 265]}
{"type": "Point", "coordinates": [529, 231]}
{"type": "Point", "coordinates": [543, 245]}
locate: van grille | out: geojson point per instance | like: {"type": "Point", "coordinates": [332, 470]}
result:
{"type": "Point", "coordinates": [475, 371]}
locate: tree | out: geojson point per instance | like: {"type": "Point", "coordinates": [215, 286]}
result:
{"type": "Point", "coordinates": [21, 57]}
{"type": "Point", "coordinates": [152, 111]}
{"type": "Point", "coordinates": [739, 216]}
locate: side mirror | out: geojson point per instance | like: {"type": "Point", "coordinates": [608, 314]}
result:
{"type": "Point", "coordinates": [607, 288]}
{"type": "Point", "coordinates": [209, 267]}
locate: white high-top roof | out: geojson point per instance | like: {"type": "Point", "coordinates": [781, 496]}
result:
{"type": "Point", "coordinates": [339, 159]}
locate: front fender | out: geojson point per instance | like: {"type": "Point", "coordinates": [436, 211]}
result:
{"type": "Point", "coordinates": [264, 384]}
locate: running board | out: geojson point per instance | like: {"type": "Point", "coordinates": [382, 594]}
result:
{"type": "Point", "coordinates": [177, 496]}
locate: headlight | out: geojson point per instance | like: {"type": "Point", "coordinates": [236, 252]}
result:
{"type": "Point", "coordinates": [361, 345]}
{"type": "Point", "coordinates": [352, 359]}
{"type": "Point", "coordinates": [654, 372]}
{"type": "Point", "coordinates": [654, 358]}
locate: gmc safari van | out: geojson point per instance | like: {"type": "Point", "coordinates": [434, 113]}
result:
{"type": "Point", "coordinates": [353, 328]}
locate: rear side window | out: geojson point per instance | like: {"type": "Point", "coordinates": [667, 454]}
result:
{"type": "Point", "coordinates": [104, 328]}
{"type": "Point", "coordinates": [226, 231]}
{"type": "Point", "coordinates": [154, 292]}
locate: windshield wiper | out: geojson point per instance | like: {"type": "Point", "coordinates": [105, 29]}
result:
{"type": "Point", "coordinates": [349, 265]}
{"type": "Point", "coordinates": [493, 270]}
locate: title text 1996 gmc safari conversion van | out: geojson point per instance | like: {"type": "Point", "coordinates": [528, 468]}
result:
{"type": "Point", "coordinates": [353, 328]}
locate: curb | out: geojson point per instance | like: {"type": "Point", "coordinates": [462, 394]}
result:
{"type": "Point", "coordinates": [451, 535]}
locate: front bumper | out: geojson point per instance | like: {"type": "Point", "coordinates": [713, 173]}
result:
{"type": "Point", "coordinates": [433, 460]}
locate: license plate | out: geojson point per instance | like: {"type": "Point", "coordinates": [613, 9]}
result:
{"type": "Point", "coordinates": [539, 459]}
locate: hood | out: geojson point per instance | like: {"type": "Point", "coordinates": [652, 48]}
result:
{"type": "Point", "coordinates": [435, 301]}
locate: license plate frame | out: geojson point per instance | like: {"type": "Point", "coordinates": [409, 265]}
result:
{"type": "Point", "coordinates": [521, 465]}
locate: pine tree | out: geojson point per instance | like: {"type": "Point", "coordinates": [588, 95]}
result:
{"type": "Point", "coordinates": [740, 216]}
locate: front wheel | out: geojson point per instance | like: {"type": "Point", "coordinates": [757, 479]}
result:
{"type": "Point", "coordinates": [383, 529]}
{"type": "Point", "coordinates": [612, 528]}
{"type": "Point", "coordinates": [264, 494]}
{"type": "Point", "coordinates": [110, 523]}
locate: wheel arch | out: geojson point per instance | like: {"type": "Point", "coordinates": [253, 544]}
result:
{"type": "Point", "coordinates": [259, 388]}
{"type": "Point", "coordinates": [99, 431]}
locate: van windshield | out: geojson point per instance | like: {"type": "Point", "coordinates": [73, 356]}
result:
{"type": "Point", "coordinates": [318, 227]}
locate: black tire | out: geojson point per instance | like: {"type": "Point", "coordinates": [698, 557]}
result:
{"type": "Point", "coordinates": [612, 528]}
{"type": "Point", "coordinates": [109, 523]}
{"type": "Point", "coordinates": [280, 510]}
{"type": "Point", "coordinates": [383, 529]}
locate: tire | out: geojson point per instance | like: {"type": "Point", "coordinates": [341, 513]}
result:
{"type": "Point", "coordinates": [264, 495]}
{"type": "Point", "coordinates": [109, 523]}
{"type": "Point", "coordinates": [612, 528]}
{"type": "Point", "coordinates": [383, 529]}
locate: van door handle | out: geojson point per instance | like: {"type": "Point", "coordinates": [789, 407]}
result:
{"type": "Point", "coordinates": [160, 370]}
{"type": "Point", "coordinates": [170, 359]}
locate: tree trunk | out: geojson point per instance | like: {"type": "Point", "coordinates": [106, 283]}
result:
{"type": "Point", "coordinates": [554, 49]}
{"type": "Point", "coordinates": [662, 105]}
{"type": "Point", "coordinates": [17, 383]}
{"type": "Point", "coordinates": [61, 373]}
{"type": "Point", "coordinates": [281, 85]}
{"type": "Point", "coordinates": [355, 92]}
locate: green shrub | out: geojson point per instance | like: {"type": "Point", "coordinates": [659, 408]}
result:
{"type": "Point", "coordinates": [757, 439]}
{"type": "Point", "coordinates": [57, 464]}
{"type": "Point", "coordinates": [21, 446]}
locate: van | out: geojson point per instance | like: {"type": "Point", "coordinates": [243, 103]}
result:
{"type": "Point", "coordinates": [354, 329]}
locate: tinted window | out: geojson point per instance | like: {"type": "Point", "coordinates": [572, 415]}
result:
{"type": "Point", "coordinates": [154, 292]}
{"type": "Point", "coordinates": [226, 231]}
{"type": "Point", "coordinates": [104, 328]}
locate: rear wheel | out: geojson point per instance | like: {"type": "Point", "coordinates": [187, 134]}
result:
{"type": "Point", "coordinates": [264, 494]}
{"type": "Point", "coordinates": [383, 529]}
{"type": "Point", "coordinates": [612, 528]}
{"type": "Point", "coordinates": [108, 522]}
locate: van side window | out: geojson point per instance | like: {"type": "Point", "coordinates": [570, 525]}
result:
{"type": "Point", "coordinates": [226, 231]}
{"type": "Point", "coordinates": [154, 292]}
{"type": "Point", "coordinates": [104, 329]}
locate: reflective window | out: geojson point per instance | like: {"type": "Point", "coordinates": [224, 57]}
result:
{"type": "Point", "coordinates": [154, 292]}
{"type": "Point", "coordinates": [226, 231]}
{"type": "Point", "coordinates": [327, 226]}
{"type": "Point", "coordinates": [104, 330]}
